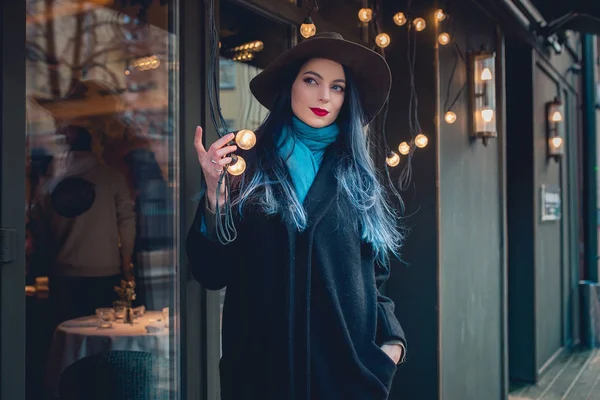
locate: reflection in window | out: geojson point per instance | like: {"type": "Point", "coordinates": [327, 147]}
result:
{"type": "Point", "coordinates": [100, 199]}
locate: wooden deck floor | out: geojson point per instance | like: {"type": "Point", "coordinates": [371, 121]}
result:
{"type": "Point", "coordinates": [574, 377]}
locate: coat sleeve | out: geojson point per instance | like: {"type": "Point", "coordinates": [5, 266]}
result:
{"type": "Point", "coordinates": [210, 262]}
{"type": "Point", "coordinates": [388, 327]}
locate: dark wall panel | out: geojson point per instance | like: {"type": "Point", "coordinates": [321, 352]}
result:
{"type": "Point", "coordinates": [470, 213]}
{"type": "Point", "coordinates": [519, 153]}
{"type": "Point", "coordinates": [571, 174]}
{"type": "Point", "coordinates": [548, 260]}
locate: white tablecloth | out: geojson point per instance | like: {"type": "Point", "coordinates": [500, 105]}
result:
{"type": "Point", "coordinates": [79, 338]}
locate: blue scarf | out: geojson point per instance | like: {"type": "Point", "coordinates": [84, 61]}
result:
{"type": "Point", "coordinates": [303, 147]}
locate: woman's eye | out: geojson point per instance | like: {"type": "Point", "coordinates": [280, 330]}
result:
{"type": "Point", "coordinates": [310, 81]}
{"type": "Point", "coordinates": [338, 88]}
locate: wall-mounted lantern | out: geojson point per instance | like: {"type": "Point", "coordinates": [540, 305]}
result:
{"type": "Point", "coordinates": [555, 129]}
{"type": "Point", "coordinates": [482, 94]}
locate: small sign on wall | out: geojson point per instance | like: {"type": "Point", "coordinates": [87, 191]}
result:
{"type": "Point", "coordinates": [551, 205]}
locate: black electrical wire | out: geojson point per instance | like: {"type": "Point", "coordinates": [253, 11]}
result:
{"type": "Point", "coordinates": [406, 173]}
{"type": "Point", "coordinates": [257, 118]}
{"type": "Point", "coordinates": [410, 74]}
{"type": "Point", "coordinates": [414, 87]}
{"type": "Point", "coordinates": [446, 108]}
{"type": "Point", "coordinates": [224, 224]}
{"type": "Point", "coordinates": [248, 98]}
{"type": "Point", "coordinates": [213, 78]}
{"type": "Point", "coordinates": [457, 55]}
{"type": "Point", "coordinates": [313, 6]}
{"type": "Point", "coordinates": [387, 170]}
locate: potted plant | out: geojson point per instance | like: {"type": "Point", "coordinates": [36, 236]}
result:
{"type": "Point", "coordinates": [126, 292]}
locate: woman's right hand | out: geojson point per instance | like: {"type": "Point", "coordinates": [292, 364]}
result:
{"type": "Point", "coordinates": [212, 162]}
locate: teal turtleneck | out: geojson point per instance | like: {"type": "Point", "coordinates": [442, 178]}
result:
{"type": "Point", "coordinates": [303, 147]}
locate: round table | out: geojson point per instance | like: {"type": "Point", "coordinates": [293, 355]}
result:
{"type": "Point", "coordinates": [80, 337]}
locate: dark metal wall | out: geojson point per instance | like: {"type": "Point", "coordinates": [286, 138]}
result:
{"type": "Point", "coordinates": [471, 218]}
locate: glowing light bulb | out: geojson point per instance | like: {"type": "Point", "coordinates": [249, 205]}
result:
{"type": "Point", "coordinates": [556, 142]}
{"type": "Point", "coordinates": [419, 24]}
{"type": "Point", "coordinates": [245, 139]}
{"type": "Point", "coordinates": [487, 114]}
{"type": "Point", "coordinates": [383, 40]}
{"type": "Point", "coordinates": [444, 38]}
{"type": "Point", "coordinates": [404, 148]}
{"type": "Point", "coordinates": [244, 56]}
{"type": "Point", "coordinates": [440, 15]}
{"type": "Point", "coordinates": [392, 159]}
{"type": "Point", "coordinates": [556, 116]}
{"type": "Point", "coordinates": [400, 19]}
{"type": "Point", "coordinates": [486, 74]}
{"type": "Point", "coordinates": [308, 29]}
{"type": "Point", "coordinates": [258, 45]}
{"type": "Point", "coordinates": [450, 117]}
{"type": "Point", "coordinates": [365, 14]}
{"type": "Point", "coordinates": [238, 167]}
{"type": "Point", "coordinates": [421, 140]}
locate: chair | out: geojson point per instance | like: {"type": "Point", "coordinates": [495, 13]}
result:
{"type": "Point", "coordinates": [115, 375]}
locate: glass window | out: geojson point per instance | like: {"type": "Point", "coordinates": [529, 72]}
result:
{"type": "Point", "coordinates": [101, 210]}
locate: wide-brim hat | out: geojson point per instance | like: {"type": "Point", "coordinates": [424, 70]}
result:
{"type": "Point", "coordinates": [370, 71]}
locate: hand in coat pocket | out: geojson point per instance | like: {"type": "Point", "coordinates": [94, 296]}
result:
{"type": "Point", "coordinates": [394, 351]}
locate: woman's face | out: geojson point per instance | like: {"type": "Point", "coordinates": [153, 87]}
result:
{"type": "Point", "coordinates": [318, 92]}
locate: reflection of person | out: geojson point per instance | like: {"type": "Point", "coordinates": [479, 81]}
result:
{"type": "Point", "coordinates": [154, 238]}
{"type": "Point", "coordinates": [303, 317]}
{"type": "Point", "coordinates": [40, 165]}
{"type": "Point", "coordinates": [86, 224]}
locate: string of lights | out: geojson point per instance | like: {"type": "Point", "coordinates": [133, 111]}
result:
{"type": "Point", "coordinates": [414, 24]}
{"type": "Point", "coordinates": [383, 40]}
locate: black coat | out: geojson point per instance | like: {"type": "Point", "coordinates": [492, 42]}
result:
{"type": "Point", "coordinates": [303, 317]}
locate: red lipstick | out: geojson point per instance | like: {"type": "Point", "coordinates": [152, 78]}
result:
{"type": "Point", "coordinates": [319, 112]}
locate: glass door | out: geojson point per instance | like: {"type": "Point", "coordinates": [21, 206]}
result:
{"type": "Point", "coordinates": [12, 219]}
{"type": "Point", "coordinates": [100, 214]}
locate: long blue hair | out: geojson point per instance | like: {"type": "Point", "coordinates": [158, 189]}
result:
{"type": "Point", "coordinates": [266, 184]}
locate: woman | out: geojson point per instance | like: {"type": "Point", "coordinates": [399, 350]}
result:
{"type": "Point", "coordinates": [303, 317]}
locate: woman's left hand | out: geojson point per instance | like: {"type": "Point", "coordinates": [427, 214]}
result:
{"type": "Point", "coordinates": [394, 351]}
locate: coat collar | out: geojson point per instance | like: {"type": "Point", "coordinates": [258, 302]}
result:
{"type": "Point", "coordinates": [323, 190]}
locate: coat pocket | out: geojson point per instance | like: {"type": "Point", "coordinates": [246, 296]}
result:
{"type": "Point", "coordinates": [380, 364]}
